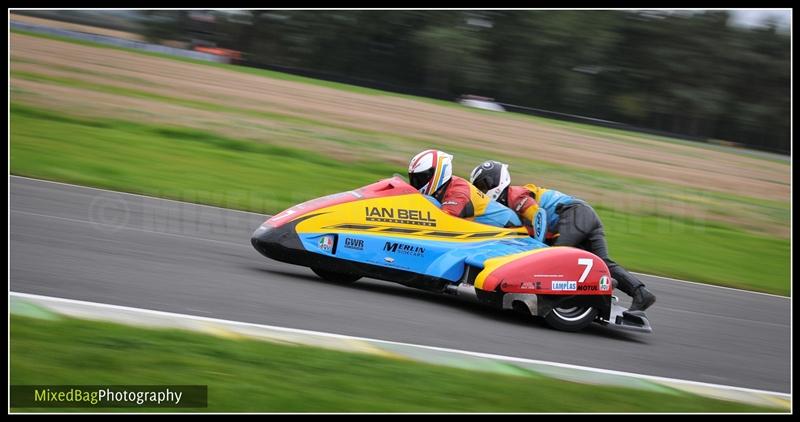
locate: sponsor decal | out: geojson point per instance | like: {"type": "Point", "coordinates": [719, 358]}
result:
{"type": "Point", "coordinates": [356, 244]}
{"type": "Point", "coordinates": [563, 285]}
{"type": "Point", "coordinates": [533, 285]}
{"type": "Point", "coordinates": [404, 249]}
{"type": "Point", "coordinates": [399, 215]}
{"type": "Point", "coordinates": [538, 222]}
{"type": "Point", "coordinates": [604, 284]}
{"type": "Point", "coordinates": [584, 287]}
{"type": "Point", "coordinates": [325, 243]}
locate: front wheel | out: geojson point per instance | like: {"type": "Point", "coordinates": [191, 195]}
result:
{"type": "Point", "coordinates": [571, 318]}
{"type": "Point", "coordinates": [335, 277]}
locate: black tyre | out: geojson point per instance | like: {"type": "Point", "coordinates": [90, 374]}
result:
{"type": "Point", "coordinates": [335, 277]}
{"type": "Point", "coordinates": [571, 317]}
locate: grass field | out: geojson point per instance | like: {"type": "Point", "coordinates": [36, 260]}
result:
{"type": "Point", "coordinates": [252, 376]}
{"type": "Point", "coordinates": [197, 166]}
{"type": "Point", "coordinates": [369, 91]}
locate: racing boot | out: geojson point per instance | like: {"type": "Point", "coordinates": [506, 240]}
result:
{"type": "Point", "coordinates": [642, 299]}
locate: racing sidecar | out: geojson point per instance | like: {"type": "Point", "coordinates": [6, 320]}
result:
{"type": "Point", "coordinates": [389, 231]}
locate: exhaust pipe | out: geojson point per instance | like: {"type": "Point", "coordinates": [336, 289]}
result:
{"type": "Point", "coordinates": [466, 291]}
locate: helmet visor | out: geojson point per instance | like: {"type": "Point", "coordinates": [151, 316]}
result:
{"type": "Point", "coordinates": [484, 183]}
{"type": "Point", "coordinates": [419, 180]}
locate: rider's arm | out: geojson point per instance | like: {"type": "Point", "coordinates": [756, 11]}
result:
{"type": "Point", "coordinates": [526, 209]}
{"type": "Point", "coordinates": [457, 199]}
{"type": "Point", "coordinates": [457, 204]}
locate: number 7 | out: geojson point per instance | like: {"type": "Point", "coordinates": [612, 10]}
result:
{"type": "Point", "coordinates": [588, 262]}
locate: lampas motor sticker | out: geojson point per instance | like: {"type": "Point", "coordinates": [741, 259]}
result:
{"type": "Point", "coordinates": [564, 285]}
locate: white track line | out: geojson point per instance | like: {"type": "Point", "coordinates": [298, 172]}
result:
{"type": "Point", "coordinates": [268, 216]}
{"type": "Point", "coordinates": [442, 349]}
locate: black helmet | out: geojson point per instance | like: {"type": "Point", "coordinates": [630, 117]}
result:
{"type": "Point", "coordinates": [491, 178]}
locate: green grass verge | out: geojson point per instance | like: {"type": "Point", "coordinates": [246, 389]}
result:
{"type": "Point", "coordinates": [196, 166]}
{"type": "Point", "coordinates": [698, 251]}
{"type": "Point", "coordinates": [633, 195]}
{"type": "Point", "coordinates": [183, 164]}
{"type": "Point", "coordinates": [750, 213]}
{"type": "Point", "coordinates": [582, 127]}
{"type": "Point", "coordinates": [252, 376]}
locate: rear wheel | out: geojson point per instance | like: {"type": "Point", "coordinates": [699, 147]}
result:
{"type": "Point", "coordinates": [335, 277]}
{"type": "Point", "coordinates": [571, 317]}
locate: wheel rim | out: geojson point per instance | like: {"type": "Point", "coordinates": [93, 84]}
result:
{"type": "Point", "coordinates": [575, 313]}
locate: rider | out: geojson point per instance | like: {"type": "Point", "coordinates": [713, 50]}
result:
{"type": "Point", "coordinates": [571, 221]}
{"type": "Point", "coordinates": [431, 172]}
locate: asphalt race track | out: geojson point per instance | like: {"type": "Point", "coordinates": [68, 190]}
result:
{"type": "Point", "coordinates": [100, 246]}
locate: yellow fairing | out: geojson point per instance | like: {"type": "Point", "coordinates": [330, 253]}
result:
{"type": "Point", "coordinates": [403, 216]}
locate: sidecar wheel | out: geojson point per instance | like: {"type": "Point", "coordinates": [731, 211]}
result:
{"type": "Point", "coordinates": [571, 318]}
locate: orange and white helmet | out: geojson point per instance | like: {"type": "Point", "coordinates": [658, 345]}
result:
{"type": "Point", "coordinates": [430, 170]}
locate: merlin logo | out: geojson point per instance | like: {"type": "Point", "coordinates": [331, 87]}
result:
{"type": "Point", "coordinates": [399, 215]}
{"type": "Point", "coordinates": [357, 244]}
{"type": "Point", "coordinates": [404, 249]}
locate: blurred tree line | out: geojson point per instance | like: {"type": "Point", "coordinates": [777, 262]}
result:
{"type": "Point", "coordinates": [688, 73]}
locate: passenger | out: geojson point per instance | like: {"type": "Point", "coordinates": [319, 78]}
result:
{"type": "Point", "coordinates": [571, 222]}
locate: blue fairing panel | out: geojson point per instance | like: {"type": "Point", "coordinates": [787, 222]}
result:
{"type": "Point", "coordinates": [434, 201]}
{"type": "Point", "coordinates": [430, 257]}
{"type": "Point", "coordinates": [497, 214]}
